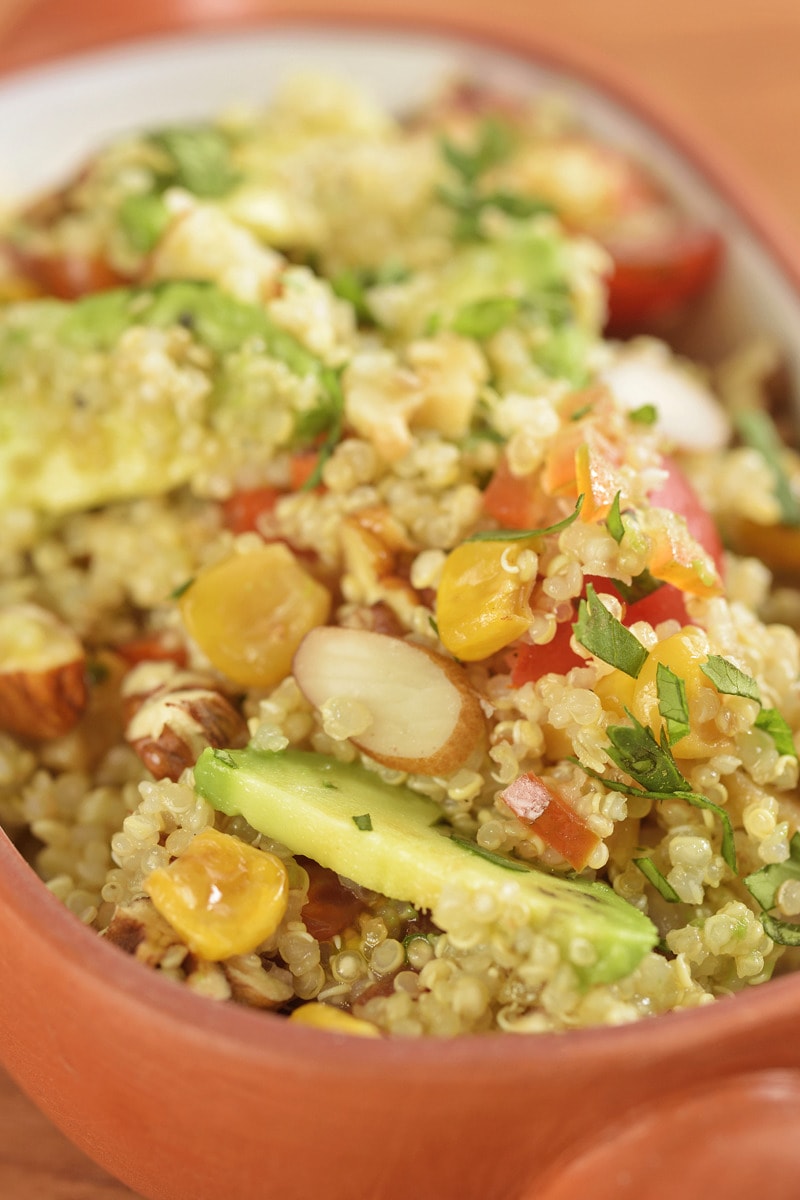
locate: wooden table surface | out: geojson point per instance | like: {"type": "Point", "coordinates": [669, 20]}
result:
{"type": "Point", "coordinates": [727, 66]}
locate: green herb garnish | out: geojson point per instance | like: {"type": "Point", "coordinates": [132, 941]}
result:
{"type": "Point", "coordinates": [728, 679]}
{"type": "Point", "coordinates": [643, 584]}
{"type": "Point", "coordinates": [364, 823]}
{"type": "Point", "coordinates": [143, 218]}
{"type": "Point", "coordinates": [200, 160]}
{"type": "Point", "coordinates": [483, 318]}
{"type": "Point", "coordinates": [523, 535]}
{"type": "Point", "coordinates": [606, 637]}
{"type": "Point", "coordinates": [225, 756]}
{"type": "Point", "coordinates": [778, 728]}
{"type": "Point", "coordinates": [764, 885]}
{"type": "Point", "coordinates": [500, 860]}
{"type": "Point", "coordinates": [757, 429]}
{"type": "Point", "coordinates": [654, 876]}
{"type": "Point", "coordinates": [650, 764]}
{"type": "Point", "coordinates": [614, 519]}
{"type": "Point", "coordinates": [181, 589]}
{"type": "Point", "coordinates": [672, 703]}
{"type": "Point", "coordinates": [646, 414]}
{"type": "Point", "coordinates": [495, 143]}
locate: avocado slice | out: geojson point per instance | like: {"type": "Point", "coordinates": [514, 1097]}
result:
{"type": "Point", "coordinates": [318, 807]}
{"type": "Point", "coordinates": [77, 431]}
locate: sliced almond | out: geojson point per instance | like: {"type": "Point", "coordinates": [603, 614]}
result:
{"type": "Point", "coordinates": [688, 413]}
{"type": "Point", "coordinates": [423, 715]}
{"type": "Point", "coordinates": [43, 687]}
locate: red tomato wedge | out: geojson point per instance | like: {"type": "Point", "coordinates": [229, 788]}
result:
{"type": "Point", "coordinates": [654, 280]}
{"type": "Point", "coordinates": [242, 510]}
{"type": "Point", "coordinates": [67, 277]}
{"type": "Point", "coordinates": [542, 809]}
{"type": "Point", "coordinates": [678, 495]}
{"type": "Point", "coordinates": [515, 501]}
{"type": "Point", "coordinates": [153, 647]}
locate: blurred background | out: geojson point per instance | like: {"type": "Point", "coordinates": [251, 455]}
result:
{"type": "Point", "coordinates": [726, 68]}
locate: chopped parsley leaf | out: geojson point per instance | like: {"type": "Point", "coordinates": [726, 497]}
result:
{"type": "Point", "coordinates": [606, 637]}
{"type": "Point", "coordinates": [672, 703]}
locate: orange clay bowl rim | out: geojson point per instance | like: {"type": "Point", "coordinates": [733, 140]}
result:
{"type": "Point", "coordinates": [257, 1035]}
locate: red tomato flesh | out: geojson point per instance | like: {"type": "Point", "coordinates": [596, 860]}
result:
{"type": "Point", "coordinates": [548, 814]}
{"type": "Point", "coordinates": [653, 282]}
{"type": "Point", "coordinates": [242, 510]}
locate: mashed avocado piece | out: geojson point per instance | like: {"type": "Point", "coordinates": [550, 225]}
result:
{"type": "Point", "coordinates": [92, 409]}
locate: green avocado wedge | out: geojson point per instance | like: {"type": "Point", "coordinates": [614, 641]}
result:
{"type": "Point", "coordinates": [316, 806]}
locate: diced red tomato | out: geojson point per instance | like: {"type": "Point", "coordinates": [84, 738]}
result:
{"type": "Point", "coordinates": [514, 501]}
{"type": "Point", "coordinates": [555, 821]}
{"type": "Point", "coordinates": [302, 467]}
{"type": "Point", "coordinates": [68, 277]}
{"type": "Point", "coordinates": [152, 647]}
{"type": "Point", "coordinates": [654, 281]}
{"type": "Point", "coordinates": [678, 495]}
{"type": "Point", "coordinates": [242, 510]}
{"type": "Point", "coordinates": [330, 907]}
{"type": "Point", "coordinates": [532, 662]}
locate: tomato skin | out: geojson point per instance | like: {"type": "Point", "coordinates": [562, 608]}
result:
{"type": "Point", "coordinates": [68, 276]}
{"type": "Point", "coordinates": [652, 283]}
{"type": "Point", "coordinates": [532, 662]}
{"type": "Point", "coordinates": [152, 647]}
{"type": "Point", "coordinates": [241, 511]}
{"type": "Point", "coordinates": [544, 811]}
{"type": "Point", "coordinates": [678, 495]}
{"type": "Point", "coordinates": [514, 501]}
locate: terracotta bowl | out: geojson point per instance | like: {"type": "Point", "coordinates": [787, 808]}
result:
{"type": "Point", "coordinates": [184, 1099]}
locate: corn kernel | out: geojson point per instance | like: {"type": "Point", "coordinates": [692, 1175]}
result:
{"type": "Point", "coordinates": [482, 602]}
{"type": "Point", "coordinates": [250, 612]}
{"type": "Point", "coordinates": [222, 896]}
{"type": "Point", "coordinates": [325, 1016]}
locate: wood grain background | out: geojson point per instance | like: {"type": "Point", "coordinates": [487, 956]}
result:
{"type": "Point", "coordinates": [727, 67]}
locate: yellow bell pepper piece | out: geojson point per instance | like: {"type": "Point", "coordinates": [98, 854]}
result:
{"type": "Point", "coordinates": [481, 605]}
{"type": "Point", "coordinates": [222, 896]}
{"type": "Point", "coordinates": [335, 1020]}
{"type": "Point", "coordinates": [250, 612]}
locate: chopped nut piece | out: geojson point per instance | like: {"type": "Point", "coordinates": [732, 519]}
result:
{"type": "Point", "coordinates": [255, 985]}
{"type": "Point", "coordinates": [170, 726]}
{"type": "Point", "coordinates": [43, 687]}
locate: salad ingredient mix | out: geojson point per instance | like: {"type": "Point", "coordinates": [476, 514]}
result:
{"type": "Point", "coordinates": [383, 641]}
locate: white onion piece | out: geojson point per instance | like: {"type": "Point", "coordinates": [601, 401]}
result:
{"type": "Point", "coordinates": [688, 412]}
{"type": "Point", "coordinates": [423, 715]}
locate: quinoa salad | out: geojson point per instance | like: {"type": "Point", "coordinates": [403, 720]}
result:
{"type": "Point", "coordinates": [396, 634]}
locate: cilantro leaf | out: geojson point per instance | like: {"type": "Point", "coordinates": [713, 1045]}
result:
{"type": "Point", "coordinates": [635, 751]}
{"type": "Point", "coordinates": [763, 884]}
{"type": "Point", "coordinates": [606, 637]}
{"type": "Point", "coordinates": [728, 679]}
{"type": "Point", "coordinates": [778, 728]}
{"type": "Point", "coordinates": [672, 703]}
{"type": "Point", "coordinates": [614, 519]}
{"type": "Point", "coordinates": [200, 159]}
{"type": "Point", "coordinates": [522, 535]}
{"type": "Point", "coordinates": [643, 584]}
{"type": "Point", "coordinates": [494, 145]}
{"type": "Point", "coordinates": [757, 429]}
{"type": "Point", "coordinates": [646, 414]}
{"type": "Point", "coordinates": [335, 410]}
{"type": "Point", "coordinates": [483, 318]}
{"type": "Point", "coordinates": [654, 876]}
{"type": "Point", "coordinates": [364, 823]}
{"type": "Point", "coordinates": [500, 860]}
